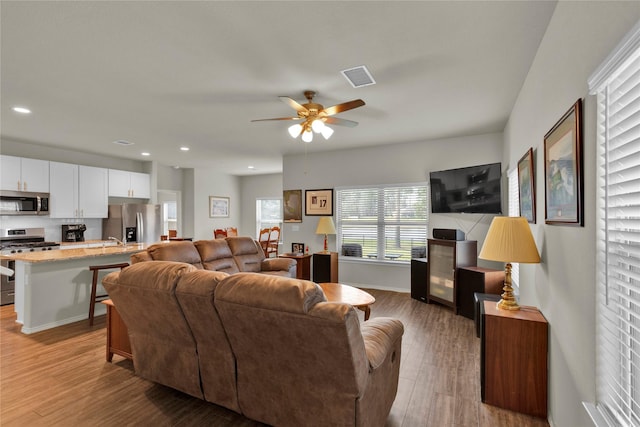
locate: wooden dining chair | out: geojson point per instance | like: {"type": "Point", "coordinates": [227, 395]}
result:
{"type": "Point", "coordinates": [274, 239]}
{"type": "Point", "coordinates": [232, 231]}
{"type": "Point", "coordinates": [219, 233]}
{"type": "Point", "coordinates": [263, 239]}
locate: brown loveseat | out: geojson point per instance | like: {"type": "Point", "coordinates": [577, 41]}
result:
{"type": "Point", "coordinates": [230, 255]}
{"type": "Point", "coordinates": [265, 346]}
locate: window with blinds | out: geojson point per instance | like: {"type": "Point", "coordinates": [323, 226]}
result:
{"type": "Point", "coordinates": [617, 85]}
{"type": "Point", "coordinates": [385, 222]}
{"type": "Point", "coordinates": [268, 214]}
{"type": "Point", "coordinates": [514, 210]}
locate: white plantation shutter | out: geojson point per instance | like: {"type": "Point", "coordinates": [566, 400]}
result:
{"type": "Point", "coordinates": [387, 221]}
{"type": "Point", "coordinates": [617, 85]}
{"type": "Point", "coordinates": [514, 210]}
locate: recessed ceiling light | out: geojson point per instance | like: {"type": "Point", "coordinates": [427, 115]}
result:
{"type": "Point", "coordinates": [144, 153]}
{"type": "Point", "coordinates": [184, 148]}
{"type": "Point", "coordinates": [251, 167]}
{"type": "Point", "coordinates": [123, 142]}
{"type": "Point", "coordinates": [22, 110]}
{"type": "Point", "coordinates": [176, 167]}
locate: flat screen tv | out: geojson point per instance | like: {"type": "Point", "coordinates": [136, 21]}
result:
{"type": "Point", "coordinates": [474, 189]}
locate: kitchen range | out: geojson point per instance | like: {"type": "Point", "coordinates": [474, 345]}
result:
{"type": "Point", "coordinates": [15, 241]}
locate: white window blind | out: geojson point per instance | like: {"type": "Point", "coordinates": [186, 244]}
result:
{"type": "Point", "coordinates": [617, 85]}
{"type": "Point", "coordinates": [514, 210]}
{"type": "Point", "coordinates": [387, 222]}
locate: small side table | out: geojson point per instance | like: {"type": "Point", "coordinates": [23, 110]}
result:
{"type": "Point", "coordinates": [117, 334]}
{"type": "Point", "coordinates": [303, 265]}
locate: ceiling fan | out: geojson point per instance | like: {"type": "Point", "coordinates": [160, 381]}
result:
{"type": "Point", "coordinates": [315, 116]}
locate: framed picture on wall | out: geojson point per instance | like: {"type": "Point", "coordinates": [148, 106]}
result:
{"type": "Point", "coordinates": [292, 205]}
{"type": "Point", "coordinates": [527, 187]}
{"type": "Point", "coordinates": [563, 169]}
{"type": "Point", "coordinates": [318, 202]}
{"type": "Point", "coordinates": [218, 207]}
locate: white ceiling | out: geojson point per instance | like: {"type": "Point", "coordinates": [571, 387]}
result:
{"type": "Point", "coordinates": [172, 73]}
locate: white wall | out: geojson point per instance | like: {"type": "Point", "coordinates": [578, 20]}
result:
{"type": "Point", "coordinates": [209, 182]}
{"type": "Point", "coordinates": [252, 188]}
{"type": "Point", "coordinates": [579, 37]}
{"type": "Point", "coordinates": [388, 164]}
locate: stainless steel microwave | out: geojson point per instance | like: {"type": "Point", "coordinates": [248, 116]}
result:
{"type": "Point", "coordinates": [23, 203]}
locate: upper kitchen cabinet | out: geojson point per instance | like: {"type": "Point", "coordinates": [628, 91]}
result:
{"type": "Point", "coordinates": [78, 191]}
{"type": "Point", "coordinates": [129, 184]}
{"type": "Point", "coordinates": [22, 174]}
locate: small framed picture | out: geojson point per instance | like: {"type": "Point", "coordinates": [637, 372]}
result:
{"type": "Point", "coordinates": [318, 202]}
{"type": "Point", "coordinates": [297, 248]}
{"type": "Point", "coordinates": [563, 170]}
{"type": "Point", "coordinates": [218, 207]}
{"type": "Point", "coordinates": [527, 187]}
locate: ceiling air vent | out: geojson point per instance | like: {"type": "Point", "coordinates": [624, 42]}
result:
{"type": "Point", "coordinates": [358, 76]}
{"type": "Point", "coordinates": [123, 142]}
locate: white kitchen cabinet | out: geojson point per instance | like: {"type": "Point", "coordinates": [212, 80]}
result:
{"type": "Point", "coordinates": [78, 191]}
{"type": "Point", "coordinates": [93, 194]}
{"type": "Point", "coordinates": [129, 184]}
{"type": "Point", "coordinates": [22, 174]}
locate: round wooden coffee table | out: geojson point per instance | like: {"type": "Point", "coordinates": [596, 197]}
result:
{"type": "Point", "coordinates": [337, 292]}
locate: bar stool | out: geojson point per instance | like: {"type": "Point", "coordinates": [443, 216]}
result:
{"type": "Point", "coordinates": [94, 284]}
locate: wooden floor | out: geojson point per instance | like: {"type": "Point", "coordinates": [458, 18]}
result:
{"type": "Point", "coordinates": [60, 377]}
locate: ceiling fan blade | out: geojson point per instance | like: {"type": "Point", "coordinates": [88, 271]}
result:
{"type": "Point", "coordinates": [345, 106]}
{"type": "Point", "coordinates": [293, 104]}
{"type": "Point", "coordinates": [278, 118]}
{"type": "Point", "coordinates": [339, 122]}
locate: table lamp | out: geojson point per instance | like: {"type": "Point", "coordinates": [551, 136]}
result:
{"type": "Point", "coordinates": [508, 240]}
{"type": "Point", "coordinates": [325, 226]}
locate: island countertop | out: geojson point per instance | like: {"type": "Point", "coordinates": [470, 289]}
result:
{"type": "Point", "coordinates": [76, 253]}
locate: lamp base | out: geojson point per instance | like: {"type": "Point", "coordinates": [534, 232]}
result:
{"type": "Point", "coordinates": [508, 301]}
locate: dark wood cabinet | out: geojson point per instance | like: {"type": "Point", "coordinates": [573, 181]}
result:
{"type": "Point", "coordinates": [444, 257]}
{"type": "Point", "coordinates": [419, 279]}
{"type": "Point", "coordinates": [303, 265]}
{"type": "Point", "coordinates": [513, 359]}
{"type": "Point", "coordinates": [325, 267]}
{"type": "Point", "coordinates": [476, 279]}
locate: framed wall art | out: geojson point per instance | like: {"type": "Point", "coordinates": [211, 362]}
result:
{"type": "Point", "coordinates": [527, 187]}
{"type": "Point", "coordinates": [563, 170]}
{"type": "Point", "coordinates": [318, 202]}
{"type": "Point", "coordinates": [292, 205]}
{"type": "Point", "coordinates": [218, 207]}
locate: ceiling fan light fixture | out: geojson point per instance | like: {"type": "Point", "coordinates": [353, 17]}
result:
{"type": "Point", "coordinates": [326, 132]}
{"type": "Point", "coordinates": [317, 126]}
{"type": "Point", "coordinates": [294, 130]}
{"type": "Point", "coordinates": [307, 136]}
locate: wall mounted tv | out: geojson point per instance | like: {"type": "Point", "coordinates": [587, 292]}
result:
{"type": "Point", "coordinates": [474, 189]}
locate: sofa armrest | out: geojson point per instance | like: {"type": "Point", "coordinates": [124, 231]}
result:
{"type": "Point", "coordinates": [380, 337]}
{"type": "Point", "coordinates": [278, 264]}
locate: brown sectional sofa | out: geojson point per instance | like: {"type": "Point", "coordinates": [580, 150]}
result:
{"type": "Point", "coordinates": [231, 255]}
{"type": "Point", "coordinates": [269, 347]}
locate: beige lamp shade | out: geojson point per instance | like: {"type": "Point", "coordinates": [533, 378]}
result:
{"type": "Point", "coordinates": [509, 239]}
{"type": "Point", "coordinates": [325, 226]}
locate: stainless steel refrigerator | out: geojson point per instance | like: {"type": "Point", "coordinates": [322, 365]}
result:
{"type": "Point", "coordinates": [133, 222]}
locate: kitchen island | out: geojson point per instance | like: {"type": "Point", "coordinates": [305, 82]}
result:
{"type": "Point", "coordinates": [53, 287]}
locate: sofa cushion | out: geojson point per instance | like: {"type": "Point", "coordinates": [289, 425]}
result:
{"type": "Point", "coordinates": [181, 251]}
{"type": "Point", "coordinates": [246, 253]}
{"type": "Point", "coordinates": [195, 293]}
{"type": "Point", "coordinates": [163, 347]}
{"type": "Point", "coordinates": [216, 255]}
